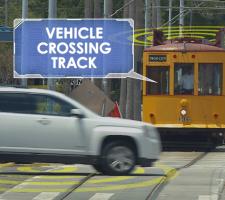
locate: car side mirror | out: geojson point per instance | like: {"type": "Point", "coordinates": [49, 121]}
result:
{"type": "Point", "coordinates": [77, 113]}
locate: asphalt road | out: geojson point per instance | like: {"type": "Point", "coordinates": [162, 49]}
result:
{"type": "Point", "coordinates": [204, 180]}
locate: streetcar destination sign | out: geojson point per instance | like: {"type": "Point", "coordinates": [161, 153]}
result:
{"type": "Point", "coordinates": [157, 58]}
{"type": "Point", "coordinates": [72, 48]}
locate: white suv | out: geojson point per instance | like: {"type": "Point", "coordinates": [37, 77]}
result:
{"type": "Point", "coordinates": [47, 126]}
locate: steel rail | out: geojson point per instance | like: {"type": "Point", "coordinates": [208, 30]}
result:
{"type": "Point", "coordinates": [158, 187]}
{"type": "Point", "coordinates": [74, 187]}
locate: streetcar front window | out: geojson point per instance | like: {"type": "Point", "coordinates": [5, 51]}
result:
{"type": "Point", "coordinates": [210, 79]}
{"type": "Point", "coordinates": [184, 78]}
{"type": "Point", "coordinates": [161, 76]}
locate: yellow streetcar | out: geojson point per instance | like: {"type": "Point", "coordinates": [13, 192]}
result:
{"type": "Point", "coordinates": [188, 100]}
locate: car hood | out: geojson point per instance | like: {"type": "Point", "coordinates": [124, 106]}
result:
{"type": "Point", "coordinates": [123, 122]}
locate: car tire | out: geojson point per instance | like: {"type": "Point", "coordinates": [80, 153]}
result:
{"type": "Point", "coordinates": [97, 167]}
{"type": "Point", "coordinates": [118, 158]}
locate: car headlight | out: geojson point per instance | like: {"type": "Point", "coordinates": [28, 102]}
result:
{"type": "Point", "coordinates": [150, 132]}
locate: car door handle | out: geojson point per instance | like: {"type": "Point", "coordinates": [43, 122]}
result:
{"type": "Point", "coordinates": [44, 121]}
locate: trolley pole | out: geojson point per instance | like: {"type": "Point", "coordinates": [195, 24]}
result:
{"type": "Point", "coordinates": [24, 16]}
{"type": "Point", "coordinates": [170, 18]}
{"type": "Point", "coordinates": [158, 10]}
{"type": "Point", "coordinates": [147, 20]}
{"type": "Point", "coordinates": [181, 18]}
{"type": "Point", "coordinates": [222, 35]}
{"type": "Point", "coordinates": [191, 15]}
{"type": "Point", "coordinates": [154, 13]}
{"type": "Point", "coordinates": [52, 12]}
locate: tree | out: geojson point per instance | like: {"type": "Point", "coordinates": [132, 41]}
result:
{"type": "Point", "coordinates": [88, 8]}
{"type": "Point", "coordinates": [6, 49]}
{"type": "Point", "coordinates": [6, 72]}
{"type": "Point", "coordinates": [97, 9]}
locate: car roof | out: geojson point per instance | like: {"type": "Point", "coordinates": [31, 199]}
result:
{"type": "Point", "coordinates": [28, 90]}
{"type": "Point", "coordinates": [48, 92]}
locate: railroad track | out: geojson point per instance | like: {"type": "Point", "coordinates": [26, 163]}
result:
{"type": "Point", "coordinates": [158, 187]}
{"type": "Point", "coordinates": [154, 192]}
{"type": "Point", "coordinates": [87, 176]}
{"type": "Point", "coordinates": [74, 187]}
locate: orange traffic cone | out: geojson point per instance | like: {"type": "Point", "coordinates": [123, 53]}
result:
{"type": "Point", "coordinates": [116, 111]}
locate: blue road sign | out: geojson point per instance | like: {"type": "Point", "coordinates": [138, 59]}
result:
{"type": "Point", "coordinates": [72, 48]}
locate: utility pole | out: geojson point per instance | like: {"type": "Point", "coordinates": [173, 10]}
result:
{"type": "Point", "coordinates": [181, 18]}
{"type": "Point", "coordinates": [106, 83]}
{"type": "Point", "coordinates": [107, 8]}
{"type": "Point", "coordinates": [138, 52]}
{"type": "Point", "coordinates": [52, 12]}
{"type": "Point", "coordinates": [24, 16]}
{"type": "Point", "coordinates": [97, 14]}
{"type": "Point", "coordinates": [130, 81]}
{"type": "Point", "coordinates": [123, 85]}
{"type": "Point", "coordinates": [88, 8]}
{"type": "Point", "coordinates": [170, 18]}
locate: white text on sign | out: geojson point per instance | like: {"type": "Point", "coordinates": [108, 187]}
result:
{"type": "Point", "coordinates": [74, 48]}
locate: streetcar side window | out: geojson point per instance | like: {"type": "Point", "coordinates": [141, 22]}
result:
{"type": "Point", "coordinates": [161, 76]}
{"type": "Point", "coordinates": [210, 79]}
{"type": "Point", "coordinates": [183, 78]}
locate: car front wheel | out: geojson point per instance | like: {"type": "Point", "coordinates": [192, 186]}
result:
{"type": "Point", "coordinates": [118, 158]}
{"type": "Point", "coordinates": [97, 167]}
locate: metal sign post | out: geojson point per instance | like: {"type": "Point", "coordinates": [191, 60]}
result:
{"type": "Point", "coordinates": [52, 13]}
{"type": "Point", "coordinates": [24, 16]}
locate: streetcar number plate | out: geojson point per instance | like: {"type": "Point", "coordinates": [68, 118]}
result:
{"type": "Point", "coordinates": [185, 119]}
{"type": "Point", "coordinates": [157, 58]}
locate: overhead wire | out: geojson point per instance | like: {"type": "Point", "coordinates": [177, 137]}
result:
{"type": "Point", "coordinates": [124, 6]}
{"type": "Point", "coordinates": [174, 19]}
{"type": "Point", "coordinates": [193, 8]}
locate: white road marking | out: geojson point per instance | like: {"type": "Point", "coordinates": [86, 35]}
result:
{"type": "Point", "coordinates": [4, 196]}
{"type": "Point", "coordinates": [208, 197]}
{"type": "Point", "coordinates": [46, 196]}
{"type": "Point", "coordinates": [102, 196]}
{"type": "Point", "coordinates": [220, 186]}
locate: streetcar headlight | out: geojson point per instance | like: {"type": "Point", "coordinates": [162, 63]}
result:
{"type": "Point", "coordinates": [183, 112]}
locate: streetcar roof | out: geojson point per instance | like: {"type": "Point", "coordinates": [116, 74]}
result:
{"type": "Point", "coordinates": [184, 47]}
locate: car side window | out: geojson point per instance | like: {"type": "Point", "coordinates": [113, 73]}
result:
{"type": "Point", "coordinates": [34, 104]}
{"type": "Point", "coordinates": [49, 105]}
{"type": "Point", "coordinates": [16, 103]}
